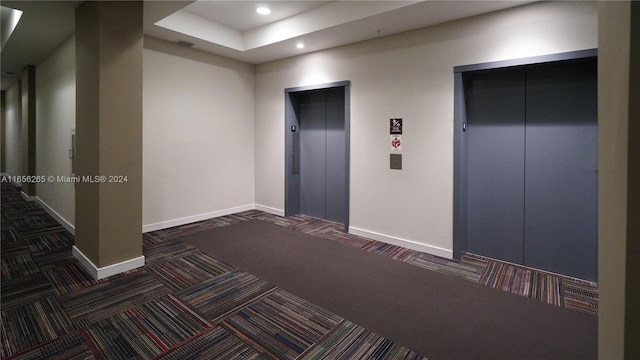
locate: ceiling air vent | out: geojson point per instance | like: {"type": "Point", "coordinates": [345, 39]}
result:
{"type": "Point", "coordinates": [185, 43]}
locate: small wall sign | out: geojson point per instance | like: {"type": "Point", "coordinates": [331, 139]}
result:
{"type": "Point", "coordinates": [395, 126]}
{"type": "Point", "coordinates": [396, 143]}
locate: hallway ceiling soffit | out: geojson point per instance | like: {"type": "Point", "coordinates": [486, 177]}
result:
{"type": "Point", "coordinates": [233, 29]}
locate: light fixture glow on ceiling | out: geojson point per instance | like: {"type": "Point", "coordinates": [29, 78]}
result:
{"type": "Point", "coordinates": [263, 10]}
{"type": "Point", "coordinates": [10, 19]}
{"type": "Point", "coordinates": [300, 45]}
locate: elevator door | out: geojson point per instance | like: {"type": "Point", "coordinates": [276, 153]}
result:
{"type": "Point", "coordinates": [323, 154]}
{"type": "Point", "coordinates": [495, 166]}
{"type": "Point", "coordinates": [561, 177]}
{"type": "Point", "coordinates": [532, 166]}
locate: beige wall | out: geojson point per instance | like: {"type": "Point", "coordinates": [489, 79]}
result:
{"type": "Point", "coordinates": [198, 140]}
{"type": "Point", "coordinates": [13, 131]}
{"type": "Point", "coordinates": [56, 117]}
{"type": "Point", "coordinates": [619, 173]}
{"type": "Point", "coordinates": [410, 76]}
{"type": "Point", "coordinates": [28, 101]}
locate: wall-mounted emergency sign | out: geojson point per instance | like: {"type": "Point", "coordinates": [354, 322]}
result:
{"type": "Point", "coordinates": [395, 126]}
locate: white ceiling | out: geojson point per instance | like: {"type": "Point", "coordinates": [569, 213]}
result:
{"type": "Point", "coordinates": [234, 29]}
{"type": "Point", "coordinates": [242, 15]}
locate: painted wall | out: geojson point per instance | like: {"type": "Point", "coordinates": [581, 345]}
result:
{"type": "Point", "coordinates": [55, 118]}
{"type": "Point", "coordinates": [198, 135]}
{"type": "Point", "coordinates": [619, 173]}
{"type": "Point", "coordinates": [13, 131]}
{"type": "Point", "coordinates": [410, 76]}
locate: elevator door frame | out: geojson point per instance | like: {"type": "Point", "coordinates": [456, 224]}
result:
{"type": "Point", "coordinates": [292, 181]}
{"type": "Point", "coordinates": [460, 143]}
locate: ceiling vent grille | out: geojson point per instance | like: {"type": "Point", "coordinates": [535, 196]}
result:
{"type": "Point", "coordinates": [185, 43]}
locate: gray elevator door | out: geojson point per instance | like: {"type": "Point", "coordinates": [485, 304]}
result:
{"type": "Point", "coordinates": [561, 169]}
{"type": "Point", "coordinates": [495, 166]}
{"type": "Point", "coordinates": [532, 166]}
{"type": "Point", "coordinates": [323, 154]}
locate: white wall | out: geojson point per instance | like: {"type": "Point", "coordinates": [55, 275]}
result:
{"type": "Point", "coordinates": [409, 76]}
{"type": "Point", "coordinates": [55, 118]}
{"type": "Point", "coordinates": [198, 135]}
{"type": "Point", "coordinates": [13, 131]}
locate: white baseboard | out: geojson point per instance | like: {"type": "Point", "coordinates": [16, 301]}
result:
{"type": "Point", "coordinates": [27, 197]}
{"type": "Point", "coordinates": [409, 244]}
{"type": "Point", "coordinates": [109, 270]}
{"type": "Point", "coordinates": [191, 219]}
{"type": "Point", "coordinates": [65, 223]}
{"type": "Point", "coordinates": [270, 210]}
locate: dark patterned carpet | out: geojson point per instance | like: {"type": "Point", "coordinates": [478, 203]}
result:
{"type": "Point", "coordinates": [185, 304]}
{"type": "Point", "coordinates": [570, 293]}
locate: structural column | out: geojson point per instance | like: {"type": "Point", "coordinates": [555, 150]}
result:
{"type": "Point", "coordinates": [28, 94]}
{"type": "Point", "coordinates": [618, 178]}
{"type": "Point", "coordinates": [108, 234]}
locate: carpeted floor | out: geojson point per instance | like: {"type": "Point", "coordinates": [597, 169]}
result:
{"type": "Point", "coordinates": [432, 313]}
{"type": "Point", "coordinates": [185, 303]}
{"type": "Point", "coordinates": [575, 294]}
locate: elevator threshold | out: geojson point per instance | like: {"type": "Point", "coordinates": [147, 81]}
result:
{"type": "Point", "coordinates": [546, 272]}
{"type": "Point", "coordinates": [322, 224]}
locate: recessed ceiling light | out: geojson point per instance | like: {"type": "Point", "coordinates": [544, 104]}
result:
{"type": "Point", "coordinates": [300, 45]}
{"type": "Point", "coordinates": [263, 10]}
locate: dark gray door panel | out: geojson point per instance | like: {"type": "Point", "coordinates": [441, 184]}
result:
{"type": "Point", "coordinates": [561, 169]}
{"type": "Point", "coordinates": [313, 153]}
{"type": "Point", "coordinates": [336, 156]}
{"type": "Point", "coordinates": [323, 154]}
{"type": "Point", "coordinates": [495, 169]}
